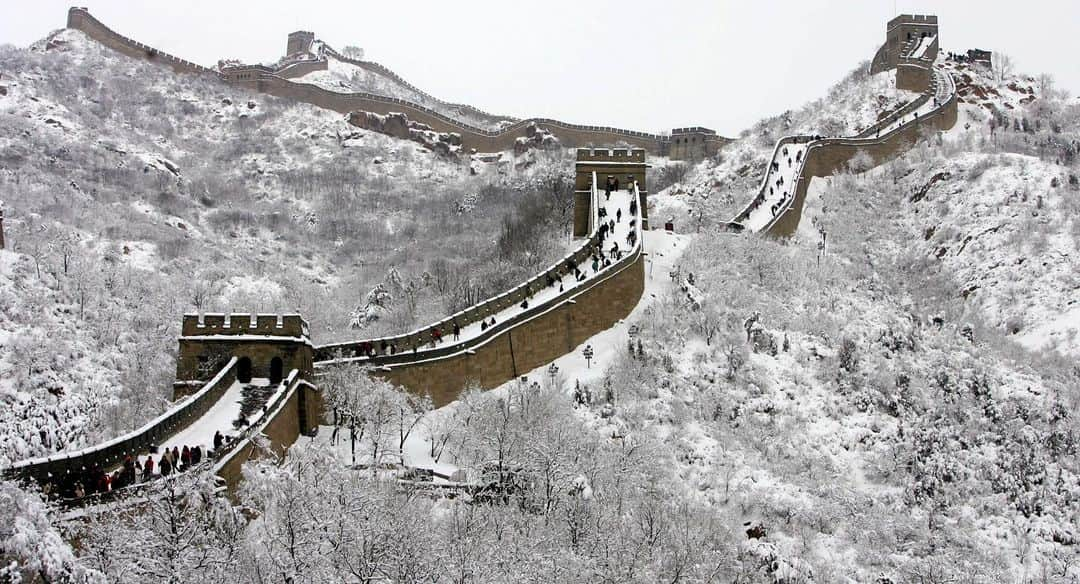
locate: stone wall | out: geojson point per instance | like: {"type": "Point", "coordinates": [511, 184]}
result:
{"type": "Point", "coordinates": [299, 42]}
{"type": "Point", "coordinates": [693, 143]}
{"type": "Point", "coordinates": [266, 80]}
{"type": "Point", "coordinates": [620, 163]}
{"type": "Point", "coordinates": [281, 425]}
{"type": "Point", "coordinates": [899, 34]}
{"type": "Point", "coordinates": [384, 71]}
{"type": "Point", "coordinates": [537, 341]}
{"type": "Point", "coordinates": [80, 19]}
{"type": "Point", "coordinates": [112, 452]}
{"type": "Point", "coordinates": [913, 76]}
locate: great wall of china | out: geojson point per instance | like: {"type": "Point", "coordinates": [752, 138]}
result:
{"type": "Point", "coordinates": [685, 142]}
{"type": "Point", "coordinates": [219, 351]}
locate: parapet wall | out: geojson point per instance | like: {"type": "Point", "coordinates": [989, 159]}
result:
{"type": "Point", "coordinates": [80, 19]}
{"type": "Point", "coordinates": [390, 74]}
{"type": "Point", "coordinates": [283, 420]}
{"type": "Point", "coordinates": [285, 325]}
{"type": "Point", "coordinates": [517, 344]}
{"type": "Point", "coordinates": [900, 33]}
{"type": "Point", "coordinates": [556, 330]}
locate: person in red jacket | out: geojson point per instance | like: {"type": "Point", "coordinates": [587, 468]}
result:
{"type": "Point", "coordinates": [185, 457]}
{"type": "Point", "coordinates": [148, 468]}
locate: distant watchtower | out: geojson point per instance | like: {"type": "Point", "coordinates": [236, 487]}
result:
{"type": "Point", "coordinates": [299, 42]}
{"type": "Point", "coordinates": [622, 163]}
{"type": "Point", "coordinates": [695, 143]}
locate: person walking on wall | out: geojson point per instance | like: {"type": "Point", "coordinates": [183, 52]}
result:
{"type": "Point", "coordinates": [218, 439]}
{"type": "Point", "coordinates": [457, 331]}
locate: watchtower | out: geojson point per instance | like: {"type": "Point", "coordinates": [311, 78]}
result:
{"type": "Point", "coordinates": [299, 42]}
{"type": "Point", "coordinates": [622, 163]}
{"type": "Point", "coordinates": [694, 143]}
{"type": "Point", "coordinates": [266, 345]}
{"type": "Point", "coordinates": [903, 35]}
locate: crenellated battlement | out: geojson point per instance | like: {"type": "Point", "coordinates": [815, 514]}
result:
{"type": "Point", "coordinates": [913, 19]}
{"type": "Point", "coordinates": [278, 325]}
{"type": "Point", "coordinates": [278, 82]}
{"type": "Point", "coordinates": [611, 155]}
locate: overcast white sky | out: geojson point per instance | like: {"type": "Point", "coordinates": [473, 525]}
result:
{"type": "Point", "coordinates": [642, 65]}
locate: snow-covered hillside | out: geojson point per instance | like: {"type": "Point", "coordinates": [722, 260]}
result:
{"type": "Point", "coordinates": [884, 408]}
{"type": "Point", "coordinates": [995, 202]}
{"type": "Point", "coordinates": [138, 194]}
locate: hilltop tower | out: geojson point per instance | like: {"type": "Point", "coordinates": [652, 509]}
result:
{"type": "Point", "coordinates": [621, 163]}
{"type": "Point", "coordinates": [902, 36]}
{"type": "Point", "coordinates": [299, 42]}
{"type": "Point", "coordinates": [911, 46]}
{"type": "Point", "coordinates": [695, 143]}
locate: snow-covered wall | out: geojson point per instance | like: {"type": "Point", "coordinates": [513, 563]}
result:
{"type": "Point", "coordinates": [825, 157]}
{"type": "Point", "coordinates": [112, 452]}
{"type": "Point", "coordinates": [277, 83]}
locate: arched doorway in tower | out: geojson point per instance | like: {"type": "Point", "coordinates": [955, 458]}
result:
{"type": "Point", "coordinates": [243, 370]}
{"type": "Point", "coordinates": [276, 371]}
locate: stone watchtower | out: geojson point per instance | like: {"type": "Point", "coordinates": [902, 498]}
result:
{"type": "Point", "coordinates": [902, 36]}
{"type": "Point", "coordinates": [299, 42]}
{"type": "Point", "coordinates": [695, 143]}
{"type": "Point", "coordinates": [266, 345]}
{"type": "Point", "coordinates": [621, 163]}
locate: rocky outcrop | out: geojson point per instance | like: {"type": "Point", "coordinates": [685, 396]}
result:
{"type": "Point", "coordinates": [535, 137]}
{"type": "Point", "coordinates": [400, 126]}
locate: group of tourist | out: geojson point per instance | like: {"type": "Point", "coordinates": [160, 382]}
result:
{"type": "Point", "coordinates": [95, 480]}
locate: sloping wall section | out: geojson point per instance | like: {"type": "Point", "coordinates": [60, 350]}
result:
{"type": "Point", "coordinates": [276, 82]}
